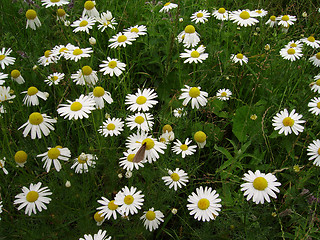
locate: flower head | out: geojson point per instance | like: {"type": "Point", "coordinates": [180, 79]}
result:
{"type": "Point", "coordinates": [168, 6]}
{"type": "Point", "coordinates": [83, 162]}
{"type": "Point", "coordinates": [32, 19]}
{"type": "Point", "coordinates": [142, 100]}
{"type": "Point", "coordinates": [32, 95]}
{"type": "Point", "coordinates": [112, 67]}
{"type": "Point", "coordinates": [129, 200]}
{"type": "Point", "coordinates": [127, 163]}
{"type": "Point", "coordinates": [221, 14]}
{"type": "Point", "coordinates": [5, 59]}
{"type": "Point", "coordinates": [141, 121]}
{"type": "Point", "coordinates": [53, 3]}
{"type": "Point", "coordinates": [90, 9]}
{"type": "Point", "coordinates": [189, 37]}
{"type": "Point", "coordinates": [152, 219]}
{"type": "Point", "coordinates": [288, 123]}
{"type": "Point", "coordinates": [243, 18]}
{"type": "Point", "coordinates": [194, 94]}
{"type": "Point", "coordinates": [200, 16]}
{"type": "Point", "coordinates": [176, 178]}
{"type": "Point", "coordinates": [184, 148]}
{"type": "Point", "coordinates": [286, 20]}
{"type": "Point", "coordinates": [314, 152]}
{"type": "Point", "coordinates": [311, 41]}
{"type": "Point", "coordinates": [315, 59]}
{"type": "Point", "coordinates": [224, 94]}
{"type": "Point", "coordinates": [122, 40]}
{"type": "Point", "coordinates": [195, 55]}
{"type": "Point", "coordinates": [53, 155]}
{"type": "Point", "coordinates": [84, 24]}
{"type": "Point", "coordinates": [239, 58]}
{"type": "Point", "coordinates": [111, 127]}
{"type": "Point", "coordinates": [108, 208]}
{"type": "Point", "coordinates": [99, 95]}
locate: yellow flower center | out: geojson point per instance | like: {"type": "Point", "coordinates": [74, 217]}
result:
{"type": "Point", "coordinates": [167, 128]}
{"type": "Point", "coordinates": [77, 52]}
{"type": "Point", "coordinates": [273, 18]}
{"type": "Point", "coordinates": [2, 57]}
{"type": "Point", "coordinates": [128, 199]}
{"type": "Point", "coordinates": [223, 94]}
{"type": "Point", "coordinates": [318, 82]}
{"type": "Point", "coordinates": [86, 70]}
{"type": "Point", "coordinates": [293, 45]}
{"type": "Point", "coordinates": [112, 206]}
{"type": "Point", "coordinates": [54, 1]}
{"type": "Point", "coordinates": [32, 196]}
{"type": "Point", "coordinates": [168, 3]}
{"type": "Point", "coordinates": [130, 157]}
{"type": "Point", "coordinates": [54, 78]}
{"type": "Point", "coordinates": [162, 140]}
{"type": "Point", "coordinates": [32, 91]}
{"type": "Point", "coordinates": [141, 100]}
{"type": "Point", "coordinates": [31, 14]}
{"type": "Point", "coordinates": [221, 10]}
{"type": "Point", "coordinates": [15, 73]}
{"type": "Point", "coordinates": [260, 183]}
{"type": "Point", "coordinates": [194, 92]}
{"type": "Point", "coordinates": [239, 56]}
{"type": "Point", "coordinates": [88, 5]}
{"type": "Point", "coordinates": [47, 53]}
{"type": "Point", "coordinates": [150, 143]}
{"type": "Point", "coordinates": [199, 15]}
{"type": "Point", "coordinates": [83, 23]}
{"type": "Point", "coordinates": [53, 153]}
{"type": "Point", "coordinates": [98, 92]}
{"type": "Point", "coordinates": [122, 38]}
{"type": "Point", "coordinates": [61, 12]}
{"type": "Point", "coordinates": [111, 126]}
{"type": "Point", "coordinates": [175, 177]}
{"type": "Point", "coordinates": [35, 118]}
{"type": "Point", "coordinates": [195, 54]}
{"type": "Point", "coordinates": [259, 11]}
{"type": "Point", "coordinates": [203, 203]}
{"type": "Point", "coordinates": [20, 156]}
{"type": "Point", "coordinates": [311, 39]}
{"type": "Point", "coordinates": [288, 121]}
{"type": "Point", "coordinates": [200, 136]}
{"type": "Point", "coordinates": [76, 106]}
{"type": "Point", "coordinates": [135, 30]}
{"type": "Point", "coordinates": [98, 217]}
{"type": "Point", "coordinates": [184, 147]}
{"type": "Point", "coordinates": [244, 15]}
{"type": "Point", "coordinates": [112, 64]}
{"type": "Point", "coordinates": [106, 23]}
{"type": "Point", "coordinates": [63, 49]}
{"type": "Point", "coordinates": [318, 55]}
{"type": "Point", "coordinates": [318, 105]}
{"type": "Point", "coordinates": [285, 18]}
{"type": "Point", "coordinates": [189, 29]}
{"type": "Point", "coordinates": [150, 215]}
{"type": "Point", "coordinates": [291, 51]}
{"type": "Point", "coordinates": [82, 160]}
{"type": "Point", "coordinates": [319, 151]}
{"type": "Point", "coordinates": [139, 119]}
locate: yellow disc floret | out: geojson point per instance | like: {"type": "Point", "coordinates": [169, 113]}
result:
{"type": "Point", "coordinates": [184, 147]}
{"type": "Point", "coordinates": [311, 39]}
{"type": "Point", "coordinates": [54, 78]}
{"type": "Point", "coordinates": [135, 30]}
{"type": "Point", "coordinates": [318, 105]}
{"type": "Point", "coordinates": [141, 100]}
{"type": "Point", "coordinates": [54, 1]}
{"type": "Point", "coordinates": [285, 18]}
{"type": "Point", "coordinates": [150, 215]}
{"type": "Point", "coordinates": [291, 51]}
{"type": "Point", "coordinates": [112, 206]}
{"type": "Point", "coordinates": [15, 73]}
{"type": "Point", "coordinates": [2, 57]}
{"type": "Point", "coordinates": [239, 56]}
{"type": "Point", "coordinates": [221, 10]}
{"type": "Point", "coordinates": [189, 29]}
{"type": "Point", "coordinates": [130, 157]}
{"type": "Point", "coordinates": [61, 12]}
{"type": "Point", "coordinates": [200, 137]}
{"type": "Point", "coordinates": [32, 91]}
{"type": "Point", "coordinates": [76, 106]}
{"type": "Point", "coordinates": [175, 177]}
{"type": "Point", "coordinates": [47, 53]}
{"type": "Point", "coordinates": [318, 82]}
{"type": "Point", "coordinates": [98, 92]}
{"type": "Point", "coordinates": [111, 126]}
{"type": "Point", "coordinates": [112, 64]}
{"type": "Point", "coordinates": [203, 203]}
{"type": "Point", "coordinates": [260, 183]}
{"type": "Point", "coordinates": [122, 38]}
{"type": "Point", "coordinates": [53, 153]}
{"type": "Point", "coordinates": [150, 143]}
{"type": "Point", "coordinates": [32, 196]}
{"type": "Point", "coordinates": [128, 199]}
{"type": "Point", "coordinates": [194, 92]}
{"type": "Point", "coordinates": [89, 5]}
{"type": "Point", "coordinates": [35, 118]}
{"type": "Point", "coordinates": [199, 15]}
{"type": "Point", "coordinates": [139, 119]}
{"type": "Point", "coordinates": [244, 15]}
{"type": "Point", "coordinates": [98, 217]}
{"type": "Point", "coordinates": [86, 70]}
{"type": "Point", "coordinates": [195, 54]}
{"type": "Point", "coordinates": [167, 128]}
{"type": "Point", "coordinates": [273, 18]}
{"type": "Point", "coordinates": [20, 156]}
{"type": "Point", "coordinates": [77, 52]}
{"type": "Point", "coordinates": [318, 55]}
{"type": "Point", "coordinates": [288, 121]}
{"type": "Point", "coordinates": [83, 23]}
{"type": "Point", "coordinates": [31, 14]}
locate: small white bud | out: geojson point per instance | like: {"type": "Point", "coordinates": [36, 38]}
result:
{"type": "Point", "coordinates": [92, 41]}
{"type": "Point", "coordinates": [68, 184]}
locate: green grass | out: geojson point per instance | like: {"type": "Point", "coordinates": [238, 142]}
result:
{"type": "Point", "coordinates": [235, 143]}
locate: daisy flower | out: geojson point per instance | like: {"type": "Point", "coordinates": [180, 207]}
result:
{"type": "Point", "coordinates": [16, 76]}
{"type": "Point", "coordinates": [272, 21]}
{"type": "Point", "coordinates": [311, 41]}
{"type": "Point", "coordinates": [204, 204]}
{"type": "Point", "coordinates": [32, 19]}
{"type": "Point", "coordinates": [101, 235]}
{"type": "Point", "coordinates": [315, 86]}
{"type": "Point", "coordinates": [294, 44]}
{"type": "Point", "coordinates": [200, 16]}
{"type": "Point", "coordinates": [151, 219]}
{"type": "Point", "coordinates": [221, 14]}
{"type": "Point", "coordinates": [129, 200]}
{"type": "Point", "coordinates": [286, 20]}
{"type": "Point", "coordinates": [153, 147]}
{"type": "Point", "coordinates": [2, 163]}
{"type": "Point", "coordinates": [5, 59]}
{"type": "Point", "coordinates": [112, 66]}
{"type": "Point", "coordinates": [137, 30]}
{"type": "Point", "coordinates": [288, 123]}
{"type": "Point", "coordinates": [90, 9]}
{"type": "Point", "coordinates": [141, 121]}
{"type": "Point", "coordinates": [99, 95]}
{"type": "Point", "coordinates": [314, 105]}
{"type": "Point", "coordinates": [121, 40]}
{"type": "Point", "coordinates": [314, 152]}
{"type": "Point", "coordinates": [239, 58]}
{"type": "Point", "coordinates": [259, 13]}
{"type": "Point", "coordinates": [176, 178]}
{"type": "Point", "coordinates": [54, 155]}
{"type": "Point", "coordinates": [106, 20]}
{"type": "Point", "coordinates": [184, 149]}
{"type": "Point", "coordinates": [166, 137]}
{"type": "Point", "coordinates": [85, 75]}
{"type": "Point", "coordinates": [142, 100]}
{"type": "Point", "coordinates": [189, 37]}
{"type": "Point", "coordinates": [80, 108]}
{"type": "Point", "coordinates": [195, 95]}
{"type": "Point", "coordinates": [33, 198]}
{"type": "Point", "coordinates": [315, 60]}
{"type": "Point", "coordinates": [3, 76]}
{"type": "Point", "coordinates": [224, 94]}
{"type": "Point", "coordinates": [112, 127]}
{"type": "Point", "coordinates": [243, 18]}
{"type": "Point", "coordinates": [54, 78]}
{"type": "Point", "coordinates": [20, 158]}
{"type": "Point", "coordinates": [84, 24]}
{"type": "Point", "coordinates": [179, 112]}
{"type": "Point", "coordinates": [168, 6]}
{"type": "Point", "coordinates": [38, 123]}
{"type": "Point", "coordinates": [47, 58]}
{"type": "Point", "coordinates": [61, 50]}
{"type": "Point", "coordinates": [84, 161]}
{"type": "Point", "coordinates": [194, 55]}
{"type": "Point", "coordinates": [108, 208]}
{"type": "Point", "coordinates": [200, 138]}
{"type": "Point", "coordinates": [291, 54]}
{"type": "Point", "coordinates": [259, 186]}
{"type": "Point", "coordinates": [127, 163]}
{"type": "Point", "coordinates": [61, 15]}
{"type": "Point", "coordinates": [76, 53]}
{"type": "Point", "coordinates": [98, 218]}
{"type": "Point", "coordinates": [5, 94]}
{"type": "Point", "coordinates": [32, 95]}
{"type": "Point", "coordinates": [53, 3]}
